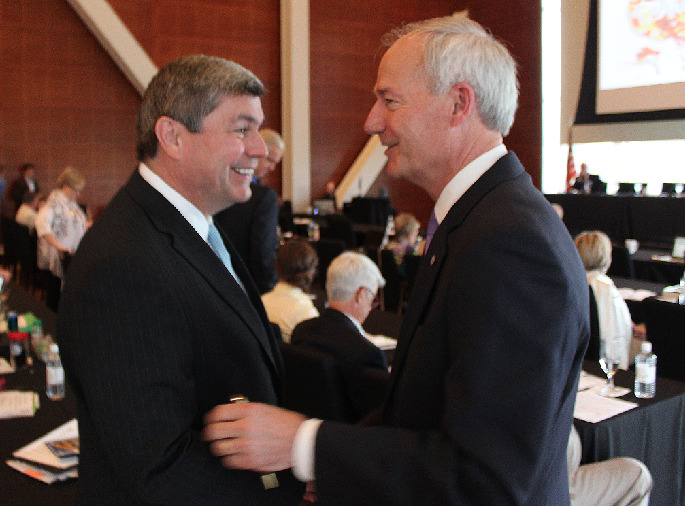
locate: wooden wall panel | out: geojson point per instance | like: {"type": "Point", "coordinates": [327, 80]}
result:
{"type": "Point", "coordinates": [345, 51]}
{"type": "Point", "coordinates": [63, 101]}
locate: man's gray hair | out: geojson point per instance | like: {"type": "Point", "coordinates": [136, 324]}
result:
{"type": "Point", "coordinates": [187, 90]}
{"type": "Point", "coordinates": [348, 272]}
{"type": "Point", "coordinates": [458, 49]}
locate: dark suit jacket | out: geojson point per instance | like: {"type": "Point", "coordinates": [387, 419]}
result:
{"type": "Point", "coordinates": [485, 373]}
{"type": "Point", "coordinates": [334, 333]}
{"type": "Point", "coordinates": [154, 332]}
{"type": "Point", "coordinates": [251, 227]}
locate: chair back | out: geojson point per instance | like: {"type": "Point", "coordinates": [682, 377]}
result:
{"type": "Point", "coordinates": [339, 228]}
{"type": "Point", "coordinates": [621, 263]}
{"type": "Point", "coordinates": [592, 352]}
{"type": "Point", "coordinates": [313, 385]}
{"type": "Point", "coordinates": [326, 251]}
{"type": "Point", "coordinates": [374, 383]}
{"type": "Point", "coordinates": [665, 322]}
{"type": "Point", "coordinates": [626, 189]}
{"type": "Point", "coordinates": [393, 291]}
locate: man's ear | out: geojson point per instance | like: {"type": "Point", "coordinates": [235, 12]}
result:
{"type": "Point", "coordinates": [359, 294]}
{"type": "Point", "coordinates": [463, 102]}
{"type": "Point", "coordinates": [168, 135]}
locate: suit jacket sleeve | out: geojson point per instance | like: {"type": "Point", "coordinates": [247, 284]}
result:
{"type": "Point", "coordinates": [264, 242]}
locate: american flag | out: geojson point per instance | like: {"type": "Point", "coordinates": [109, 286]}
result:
{"type": "Point", "coordinates": [570, 164]}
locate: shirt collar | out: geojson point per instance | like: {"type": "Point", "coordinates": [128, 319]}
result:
{"type": "Point", "coordinates": [356, 323]}
{"type": "Point", "coordinates": [192, 214]}
{"type": "Point", "coordinates": [463, 180]}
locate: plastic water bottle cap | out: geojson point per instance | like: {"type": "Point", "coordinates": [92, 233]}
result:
{"type": "Point", "coordinates": [646, 347]}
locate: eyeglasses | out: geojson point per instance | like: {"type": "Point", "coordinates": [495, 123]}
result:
{"type": "Point", "coordinates": [376, 301]}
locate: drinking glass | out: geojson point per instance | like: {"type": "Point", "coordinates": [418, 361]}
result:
{"type": "Point", "coordinates": [609, 360]}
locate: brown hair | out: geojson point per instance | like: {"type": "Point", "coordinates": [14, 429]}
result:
{"type": "Point", "coordinates": [296, 263]}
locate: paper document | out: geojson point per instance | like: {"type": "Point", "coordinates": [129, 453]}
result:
{"type": "Point", "coordinates": [383, 342]}
{"type": "Point", "coordinates": [588, 381]}
{"type": "Point", "coordinates": [630, 294]}
{"type": "Point", "coordinates": [593, 408]}
{"type": "Point", "coordinates": [42, 474]}
{"type": "Point", "coordinates": [39, 452]}
{"type": "Point", "coordinates": [15, 404]}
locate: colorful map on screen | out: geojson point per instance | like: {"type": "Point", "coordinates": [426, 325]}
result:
{"type": "Point", "coordinates": [642, 42]}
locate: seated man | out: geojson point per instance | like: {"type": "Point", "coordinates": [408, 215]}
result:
{"type": "Point", "coordinates": [352, 282]}
{"type": "Point", "coordinates": [615, 482]}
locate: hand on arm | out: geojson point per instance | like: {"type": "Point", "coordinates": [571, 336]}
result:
{"type": "Point", "coordinates": [50, 238]}
{"type": "Point", "coordinates": [252, 436]}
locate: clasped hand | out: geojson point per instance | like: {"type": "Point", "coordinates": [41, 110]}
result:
{"type": "Point", "coordinates": [252, 436]}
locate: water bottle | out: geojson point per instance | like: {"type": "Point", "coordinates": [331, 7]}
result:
{"type": "Point", "coordinates": [54, 374]}
{"type": "Point", "coordinates": [645, 372]}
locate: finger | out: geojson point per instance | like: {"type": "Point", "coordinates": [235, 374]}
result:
{"type": "Point", "coordinates": [223, 413]}
{"type": "Point", "coordinates": [220, 431]}
{"type": "Point", "coordinates": [223, 447]}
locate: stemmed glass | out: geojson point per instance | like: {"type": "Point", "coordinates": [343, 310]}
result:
{"type": "Point", "coordinates": [609, 360]}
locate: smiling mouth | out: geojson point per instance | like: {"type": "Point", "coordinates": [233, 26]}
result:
{"type": "Point", "coordinates": [244, 171]}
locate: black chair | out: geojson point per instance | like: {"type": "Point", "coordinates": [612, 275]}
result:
{"type": "Point", "coordinates": [665, 322]}
{"type": "Point", "coordinates": [668, 189]}
{"type": "Point", "coordinates": [372, 242]}
{"type": "Point", "coordinates": [326, 250]}
{"type": "Point", "coordinates": [312, 384]}
{"type": "Point", "coordinates": [374, 386]}
{"type": "Point", "coordinates": [626, 189]}
{"type": "Point", "coordinates": [393, 292]}
{"type": "Point", "coordinates": [285, 217]}
{"type": "Point", "coordinates": [592, 352]}
{"type": "Point", "coordinates": [339, 228]}
{"type": "Point", "coordinates": [621, 263]}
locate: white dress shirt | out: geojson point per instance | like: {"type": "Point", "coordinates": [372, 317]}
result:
{"type": "Point", "coordinates": [192, 214]}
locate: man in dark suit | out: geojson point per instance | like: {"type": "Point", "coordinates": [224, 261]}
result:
{"type": "Point", "coordinates": [155, 328]}
{"type": "Point", "coordinates": [352, 283]}
{"type": "Point", "coordinates": [485, 373]}
{"type": "Point", "coordinates": [252, 226]}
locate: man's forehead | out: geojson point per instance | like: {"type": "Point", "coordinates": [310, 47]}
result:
{"type": "Point", "coordinates": [400, 70]}
{"type": "Point", "coordinates": [243, 108]}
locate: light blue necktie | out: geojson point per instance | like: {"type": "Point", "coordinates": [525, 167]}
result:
{"type": "Point", "coordinates": [430, 230]}
{"type": "Point", "coordinates": [217, 244]}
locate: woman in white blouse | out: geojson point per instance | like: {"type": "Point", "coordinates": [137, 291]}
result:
{"type": "Point", "coordinates": [288, 304]}
{"type": "Point", "coordinates": [60, 226]}
{"type": "Point", "coordinates": [612, 311]}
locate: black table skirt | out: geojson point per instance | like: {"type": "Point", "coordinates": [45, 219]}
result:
{"type": "Point", "coordinates": [653, 433]}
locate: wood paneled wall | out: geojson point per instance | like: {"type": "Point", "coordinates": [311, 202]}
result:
{"type": "Point", "coordinates": [64, 102]}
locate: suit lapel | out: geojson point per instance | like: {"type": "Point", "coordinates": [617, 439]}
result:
{"type": "Point", "coordinates": [187, 242]}
{"type": "Point", "coordinates": [506, 168]}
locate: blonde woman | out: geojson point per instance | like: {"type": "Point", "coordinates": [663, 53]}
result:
{"type": "Point", "coordinates": [612, 311]}
{"type": "Point", "coordinates": [60, 226]}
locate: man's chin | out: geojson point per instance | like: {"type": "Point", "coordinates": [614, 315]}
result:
{"type": "Point", "coordinates": [243, 196]}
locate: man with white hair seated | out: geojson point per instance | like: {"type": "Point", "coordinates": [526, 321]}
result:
{"type": "Point", "coordinates": [352, 283]}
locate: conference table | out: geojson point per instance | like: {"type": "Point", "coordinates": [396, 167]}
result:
{"type": "Point", "coordinates": [16, 488]}
{"type": "Point", "coordinates": [653, 432]}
